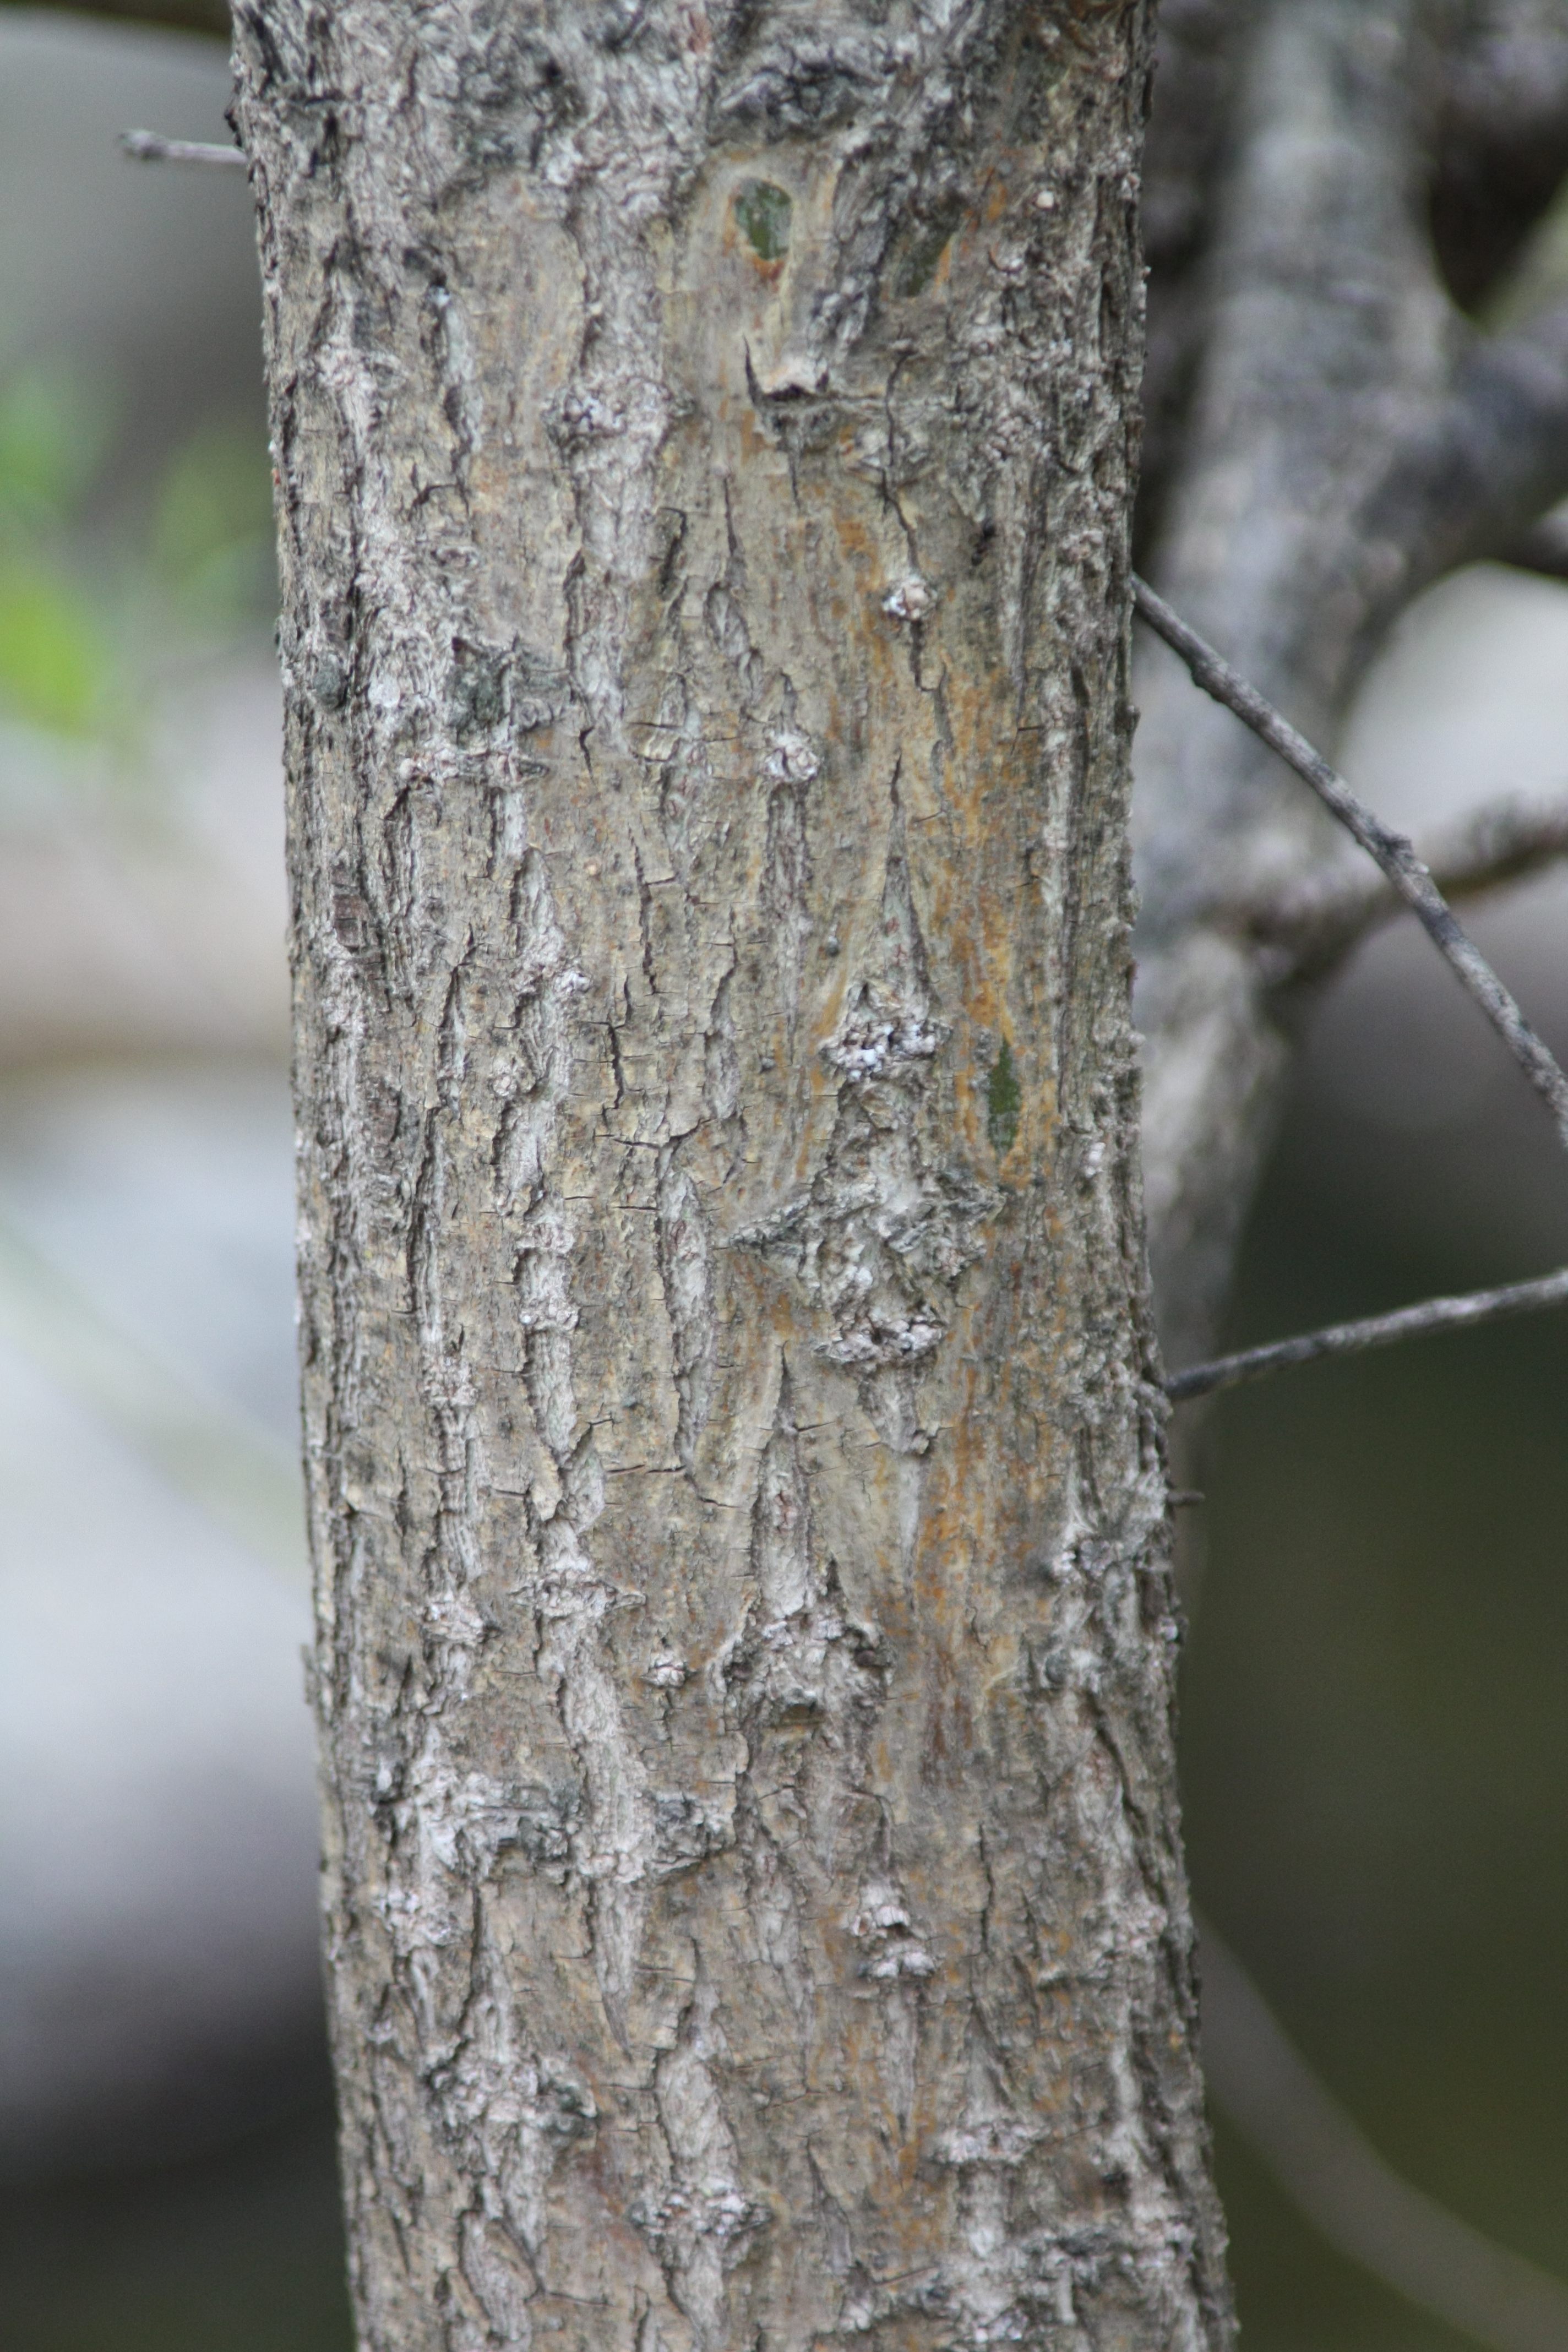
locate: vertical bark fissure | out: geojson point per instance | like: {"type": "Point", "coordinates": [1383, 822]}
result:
{"type": "Point", "coordinates": [754, 1885]}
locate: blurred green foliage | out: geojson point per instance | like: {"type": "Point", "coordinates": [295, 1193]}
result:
{"type": "Point", "coordinates": [96, 586]}
{"type": "Point", "coordinates": [53, 431]}
{"type": "Point", "coordinates": [212, 533]}
{"type": "Point", "coordinates": [54, 657]}
{"type": "Point", "coordinates": [54, 660]}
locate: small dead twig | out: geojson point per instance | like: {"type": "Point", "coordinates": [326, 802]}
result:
{"type": "Point", "coordinates": [151, 147]}
{"type": "Point", "coordinates": [1392, 851]}
{"type": "Point", "coordinates": [1371, 1332]}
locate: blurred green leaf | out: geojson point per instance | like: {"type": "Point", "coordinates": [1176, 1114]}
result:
{"type": "Point", "coordinates": [53, 663]}
{"type": "Point", "coordinates": [212, 532]}
{"type": "Point", "coordinates": [53, 430]}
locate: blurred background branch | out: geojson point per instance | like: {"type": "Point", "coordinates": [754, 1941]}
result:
{"type": "Point", "coordinates": [1313, 927]}
{"type": "Point", "coordinates": [1361, 2205]}
{"type": "Point", "coordinates": [1390, 850]}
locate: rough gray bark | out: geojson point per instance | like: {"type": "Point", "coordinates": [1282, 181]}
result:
{"type": "Point", "coordinates": [755, 1912]}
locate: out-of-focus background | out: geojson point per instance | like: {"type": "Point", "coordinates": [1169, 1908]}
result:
{"type": "Point", "coordinates": [1375, 1744]}
{"type": "Point", "coordinates": [166, 2169]}
{"type": "Point", "coordinates": [1375, 1739]}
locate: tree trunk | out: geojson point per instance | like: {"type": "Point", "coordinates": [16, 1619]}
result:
{"type": "Point", "coordinates": [755, 1910]}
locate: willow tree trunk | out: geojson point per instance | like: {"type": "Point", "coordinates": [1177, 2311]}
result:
{"type": "Point", "coordinates": [755, 1912]}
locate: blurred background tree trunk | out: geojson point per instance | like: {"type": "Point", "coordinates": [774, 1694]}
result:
{"type": "Point", "coordinates": [1347, 196]}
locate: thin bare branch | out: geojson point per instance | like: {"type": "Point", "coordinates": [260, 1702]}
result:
{"type": "Point", "coordinates": [1338, 2181]}
{"type": "Point", "coordinates": [1304, 933]}
{"type": "Point", "coordinates": [151, 147]}
{"type": "Point", "coordinates": [1373, 1331]}
{"type": "Point", "coordinates": [1392, 851]}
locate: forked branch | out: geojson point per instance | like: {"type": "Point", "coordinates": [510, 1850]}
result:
{"type": "Point", "coordinates": [1496, 845]}
{"type": "Point", "coordinates": [1306, 931]}
{"type": "Point", "coordinates": [1392, 851]}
